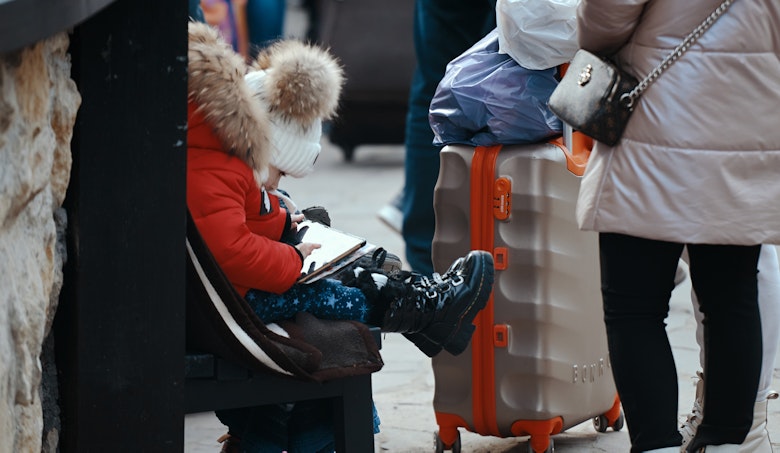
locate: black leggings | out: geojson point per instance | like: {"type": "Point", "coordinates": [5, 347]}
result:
{"type": "Point", "coordinates": [637, 279]}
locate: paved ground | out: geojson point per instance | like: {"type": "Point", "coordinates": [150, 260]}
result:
{"type": "Point", "coordinates": [403, 389]}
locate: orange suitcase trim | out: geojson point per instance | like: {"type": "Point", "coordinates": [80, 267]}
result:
{"type": "Point", "coordinates": [539, 430]}
{"type": "Point", "coordinates": [483, 359]}
{"type": "Point", "coordinates": [448, 427]}
{"type": "Point", "coordinates": [578, 152]}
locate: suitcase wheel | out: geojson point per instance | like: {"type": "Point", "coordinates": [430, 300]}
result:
{"type": "Point", "coordinates": [550, 447]}
{"type": "Point", "coordinates": [601, 423]}
{"type": "Point", "coordinates": [440, 447]}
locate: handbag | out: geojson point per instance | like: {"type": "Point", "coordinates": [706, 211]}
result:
{"type": "Point", "coordinates": [596, 97]}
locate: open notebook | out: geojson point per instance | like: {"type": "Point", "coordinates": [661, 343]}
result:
{"type": "Point", "coordinates": [337, 247]}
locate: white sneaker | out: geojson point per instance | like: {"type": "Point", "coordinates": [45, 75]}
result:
{"type": "Point", "coordinates": [391, 213]}
{"type": "Point", "coordinates": [688, 428]}
{"type": "Point", "coordinates": [757, 440]}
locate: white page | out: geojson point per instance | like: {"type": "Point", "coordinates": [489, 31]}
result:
{"type": "Point", "coordinates": [335, 244]}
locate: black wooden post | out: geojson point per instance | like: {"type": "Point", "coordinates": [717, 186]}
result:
{"type": "Point", "coordinates": [120, 325]}
{"type": "Point", "coordinates": [25, 22]}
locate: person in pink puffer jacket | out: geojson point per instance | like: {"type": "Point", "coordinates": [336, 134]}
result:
{"type": "Point", "coordinates": [696, 167]}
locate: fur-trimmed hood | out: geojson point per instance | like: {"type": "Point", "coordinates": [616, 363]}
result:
{"type": "Point", "coordinates": [216, 86]}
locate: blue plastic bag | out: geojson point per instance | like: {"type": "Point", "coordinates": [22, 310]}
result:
{"type": "Point", "coordinates": [486, 98]}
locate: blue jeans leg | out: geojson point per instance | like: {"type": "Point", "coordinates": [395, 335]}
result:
{"type": "Point", "coordinates": [265, 20]}
{"type": "Point", "coordinates": [443, 29]}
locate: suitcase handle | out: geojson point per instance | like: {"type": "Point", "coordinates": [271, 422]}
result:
{"type": "Point", "coordinates": [576, 146]}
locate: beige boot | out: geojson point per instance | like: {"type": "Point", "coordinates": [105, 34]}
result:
{"type": "Point", "coordinates": [725, 448]}
{"type": "Point", "coordinates": [688, 429]}
{"type": "Point", "coordinates": [757, 440]}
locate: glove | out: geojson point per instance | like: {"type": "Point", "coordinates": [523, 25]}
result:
{"type": "Point", "coordinates": [317, 214]}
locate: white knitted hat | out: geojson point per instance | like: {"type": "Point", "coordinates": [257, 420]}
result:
{"type": "Point", "coordinates": [295, 146]}
{"type": "Point", "coordinates": [299, 85]}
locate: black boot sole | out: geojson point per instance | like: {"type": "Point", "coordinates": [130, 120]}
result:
{"type": "Point", "coordinates": [424, 344]}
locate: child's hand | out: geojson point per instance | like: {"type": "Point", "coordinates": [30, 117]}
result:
{"type": "Point", "coordinates": [295, 219]}
{"type": "Point", "coordinates": [292, 236]}
{"type": "Point", "coordinates": [306, 248]}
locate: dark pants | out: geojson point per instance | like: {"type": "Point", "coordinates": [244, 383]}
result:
{"type": "Point", "coordinates": [265, 20]}
{"type": "Point", "coordinates": [637, 279]}
{"type": "Point", "coordinates": [306, 427]}
{"type": "Point", "coordinates": [443, 29]}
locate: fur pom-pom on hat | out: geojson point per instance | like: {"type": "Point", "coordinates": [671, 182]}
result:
{"type": "Point", "coordinates": [298, 85]}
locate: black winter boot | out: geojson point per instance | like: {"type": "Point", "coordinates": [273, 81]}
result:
{"type": "Point", "coordinates": [438, 311]}
{"type": "Point", "coordinates": [423, 343]}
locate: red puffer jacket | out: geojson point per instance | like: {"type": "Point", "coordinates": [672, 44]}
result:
{"type": "Point", "coordinates": [227, 206]}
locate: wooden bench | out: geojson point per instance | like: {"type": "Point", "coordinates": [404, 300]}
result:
{"type": "Point", "coordinates": [213, 384]}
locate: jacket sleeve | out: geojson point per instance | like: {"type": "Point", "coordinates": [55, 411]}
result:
{"type": "Point", "coordinates": [216, 199]}
{"type": "Point", "coordinates": [604, 26]}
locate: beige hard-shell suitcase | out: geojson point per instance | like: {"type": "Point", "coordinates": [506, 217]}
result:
{"type": "Point", "coordinates": [538, 362]}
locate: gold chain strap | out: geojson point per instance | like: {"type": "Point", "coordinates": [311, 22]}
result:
{"type": "Point", "coordinates": [628, 99]}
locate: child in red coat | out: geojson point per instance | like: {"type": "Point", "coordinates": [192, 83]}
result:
{"type": "Point", "coordinates": [247, 128]}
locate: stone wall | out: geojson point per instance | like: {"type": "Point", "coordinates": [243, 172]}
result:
{"type": "Point", "coordinates": [38, 105]}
